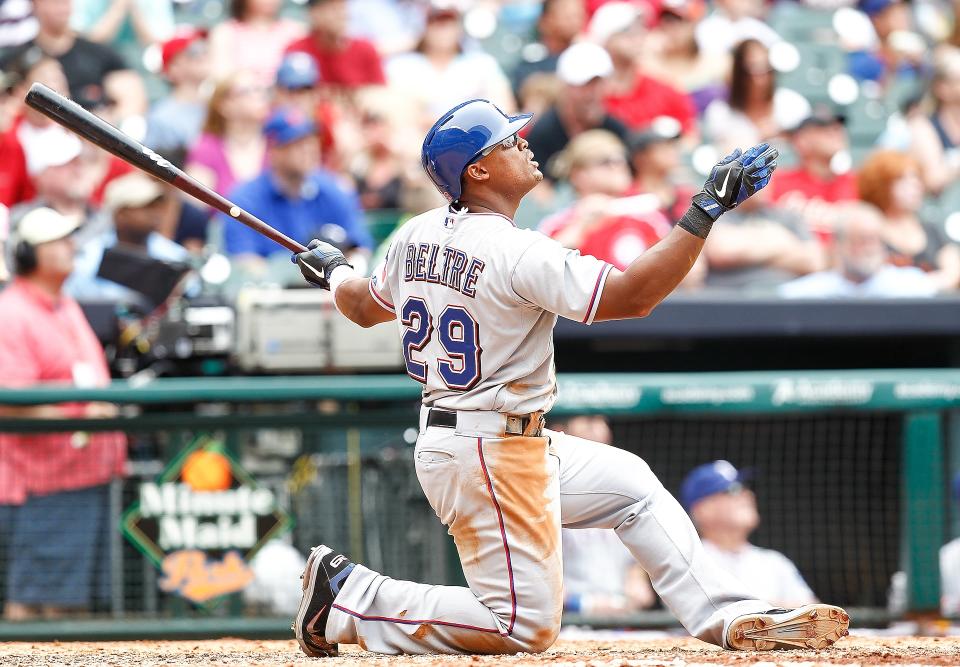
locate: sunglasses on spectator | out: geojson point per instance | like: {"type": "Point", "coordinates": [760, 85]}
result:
{"type": "Point", "coordinates": [507, 143]}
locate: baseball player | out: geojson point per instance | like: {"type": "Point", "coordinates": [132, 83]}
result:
{"type": "Point", "coordinates": [475, 300]}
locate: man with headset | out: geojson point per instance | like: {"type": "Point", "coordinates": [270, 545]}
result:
{"type": "Point", "coordinates": [54, 499]}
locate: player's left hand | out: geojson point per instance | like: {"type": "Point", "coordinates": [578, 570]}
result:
{"type": "Point", "coordinates": [318, 262]}
{"type": "Point", "coordinates": [735, 178]}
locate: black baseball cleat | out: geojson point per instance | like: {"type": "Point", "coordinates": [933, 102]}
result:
{"type": "Point", "coordinates": [814, 626]}
{"type": "Point", "coordinates": [322, 579]}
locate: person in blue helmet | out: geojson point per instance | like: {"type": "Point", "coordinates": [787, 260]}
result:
{"type": "Point", "coordinates": [475, 300]}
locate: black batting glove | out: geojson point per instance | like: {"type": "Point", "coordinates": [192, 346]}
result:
{"type": "Point", "coordinates": [318, 263]}
{"type": "Point", "coordinates": [735, 178]}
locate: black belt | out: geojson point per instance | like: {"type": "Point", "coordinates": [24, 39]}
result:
{"type": "Point", "coordinates": [516, 424]}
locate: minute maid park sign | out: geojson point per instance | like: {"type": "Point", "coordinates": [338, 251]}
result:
{"type": "Point", "coordinates": [202, 520]}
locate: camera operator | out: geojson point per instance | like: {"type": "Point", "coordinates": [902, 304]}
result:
{"type": "Point", "coordinates": [136, 205]}
{"type": "Point", "coordinates": [54, 500]}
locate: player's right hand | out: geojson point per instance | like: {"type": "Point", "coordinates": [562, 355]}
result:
{"type": "Point", "coordinates": [735, 178]}
{"type": "Point", "coordinates": [318, 262]}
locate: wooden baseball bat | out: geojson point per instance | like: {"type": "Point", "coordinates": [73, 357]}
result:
{"type": "Point", "coordinates": [98, 131]}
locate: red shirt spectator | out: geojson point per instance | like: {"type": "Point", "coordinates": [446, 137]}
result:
{"type": "Point", "coordinates": [15, 184]}
{"type": "Point", "coordinates": [617, 239]}
{"type": "Point", "coordinates": [47, 339]}
{"type": "Point", "coordinates": [650, 99]}
{"type": "Point", "coordinates": [838, 188]}
{"type": "Point", "coordinates": [343, 60]}
{"type": "Point", "coordinates": [633, 97]}
{"type": "Point", "coordinates": [356, 64]}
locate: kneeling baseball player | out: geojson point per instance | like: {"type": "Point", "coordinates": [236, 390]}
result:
{"type": "Point", "coordinates": [476, 300]}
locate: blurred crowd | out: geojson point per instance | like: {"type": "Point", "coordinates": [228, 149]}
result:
{"type": "Point", "coordinates": [310, 115]}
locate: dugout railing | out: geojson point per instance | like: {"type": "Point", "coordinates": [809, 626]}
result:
{"type": "Point", "coordinates": [851, 470]}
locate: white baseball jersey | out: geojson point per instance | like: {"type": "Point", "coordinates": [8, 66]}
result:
{"type": "Point", "coordinates": [476, 300]}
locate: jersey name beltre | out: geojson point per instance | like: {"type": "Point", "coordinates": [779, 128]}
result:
{"type": "Point", "coordinates": [442, 265]}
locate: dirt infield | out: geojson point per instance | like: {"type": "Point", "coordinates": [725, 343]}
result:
{"type": "Point", "coordinates": [581, 653]}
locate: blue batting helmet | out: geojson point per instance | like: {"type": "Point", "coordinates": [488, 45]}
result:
{"type": "Point", "coordinates": [458, 138]}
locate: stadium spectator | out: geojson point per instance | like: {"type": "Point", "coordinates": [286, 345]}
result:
{"type": "Point", "coordinates": [757, 109]}
{"type": "Point", "coordinates": [345, 62]}
{"type": "Point", "coordinates": [135, 204]}
{"type": "Point", "coordinates": [559, 24]}
{"type": "Point", "coordinates": [439, 73]}
{"type": "Point", "coordinates": [676, 57]}
{"type": "Point", "coordinates": [26, 123]}
{"type": "Point", "coordinates": [253, 39]}
{"type": "Point", "coordinates": [822, 176]}
{"type": "Point", "coordinates": [656, 161]}
{"type": "Point", "coordinates": [59, 166]}
{"type": "Point", "coordinates": [92, 70]}
{"type": "Point", "coordinates": [890, 181]}
{"type": "Point", "coordinates": [18, 25]}
{"type": "Point", "coordinates": [603, 221]}
{"type": "Point", "coordinates": [630, 94]}
{"type": "Point", "coordinates": [725, 513]}
{"type": "Point", "coordinates": [231, 147]}
{"type": "Point", "coordinates": [296, 83]}
{"type": "Point", "coordinates": [126, 25]}
{"type": "Point", "coordinates": [378, 167]}
{"type": "Point", "coordinates": [759, 246]}
{"type": "Point", "coordinates": [175, 120]}
{"type": "Point", "coordinates": [582, 69]}
{"type": "Point", "coordinates": [863, 264]}
{"type": "Point", "coordinates": [54, 494]}
{"type": "Point", "coordinates": [298, 197]}
{"type": "Point", "coordinates": [935, 137]}
{"type": "Point", "coordinates": [898, 53]}
{"type": "Point", "coordinates": [733, 22]}
{"type": "Point", "coordinates": [600, 575]}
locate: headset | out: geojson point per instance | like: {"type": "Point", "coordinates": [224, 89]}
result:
{"type": "Point", "coordinates": [24, 258]}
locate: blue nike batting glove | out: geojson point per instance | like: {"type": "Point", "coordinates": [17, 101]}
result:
{"type": "Point", "coordinates": [318, 263]}
{"type": "Point", "coordinates": [735, 178]}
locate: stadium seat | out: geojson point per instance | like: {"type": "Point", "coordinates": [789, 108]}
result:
{"type": "Point", "coordinates": [797, 23]}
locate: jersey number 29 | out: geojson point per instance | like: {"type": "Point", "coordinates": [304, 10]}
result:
{"type": "Point", "coordinates": [459, 336]}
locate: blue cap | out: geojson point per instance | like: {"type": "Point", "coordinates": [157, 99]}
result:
{"type": "Point", "coordinates": [708, 479]}
{"type": "Point", "coordinates": [956, 487]}
{"type": "Point", "coordinates": [458, 138]}
{"type": "Point", "coordinates": [874, 7]}
{"type": "Point", "coordinates": [297, 70]}
{"type": "Point", "coordinates": [288, 124]}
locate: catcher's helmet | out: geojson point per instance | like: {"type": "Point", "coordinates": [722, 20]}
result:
{"type": "Point", "coordinates": [458, 138]}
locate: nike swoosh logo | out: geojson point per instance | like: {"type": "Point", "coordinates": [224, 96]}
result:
{"type": "Point", "coordinates": [311, 626]}
{"type": "Point", "coordinates": [722, 190]}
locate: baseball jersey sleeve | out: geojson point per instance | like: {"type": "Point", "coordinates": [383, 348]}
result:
{"type": "Point", "coordinates": [379, 284]}
{"type": "Point", "coordinates": [560, 280]}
